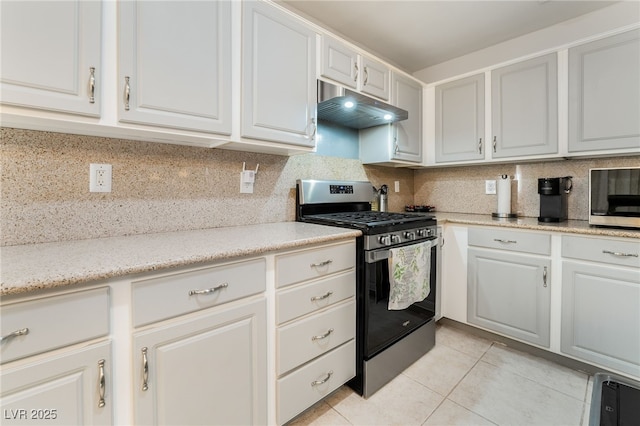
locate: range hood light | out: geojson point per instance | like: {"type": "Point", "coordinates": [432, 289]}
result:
{"type": "Point", "coordinates": [388, 116]}
{"type": "Point", "coordinates": [349, 104]}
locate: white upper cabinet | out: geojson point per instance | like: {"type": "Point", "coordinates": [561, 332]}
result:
{"type": "Point", "coordinates": [524, 108]}
{"type": "Point", "coordinates": [278, 76]}
{"type": "Point", "coordinates": [407, 94]}
{"type": "Point", "coordinates": [345, 65]}
{"type": "Point", "coordinates": [175, 64]}
{"type": "Point", "coordinates": [459, 121]}
{"type": "Point", "coordinates": [604, 94]}
{"type": "Point", "coordinates": [51, 55]}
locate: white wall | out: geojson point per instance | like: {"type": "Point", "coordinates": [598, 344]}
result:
{"type": "Point", "coordinates": [620, 16]}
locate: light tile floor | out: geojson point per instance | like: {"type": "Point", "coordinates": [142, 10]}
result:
{"type": "Point", "coordinates": [465, 380]}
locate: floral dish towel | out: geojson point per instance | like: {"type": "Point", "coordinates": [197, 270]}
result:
{"type": "Point", "coordinates": [409, 274]}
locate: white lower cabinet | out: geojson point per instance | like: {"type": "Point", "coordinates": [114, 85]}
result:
{"type": "Point", "coordinates": [315, 325]}
{"type": "Point", "coordinates": [507, 292]}
{"type": "Point", "coordinates": [601, 302]}
{"type": "Point", "coordinates": [208, 369]}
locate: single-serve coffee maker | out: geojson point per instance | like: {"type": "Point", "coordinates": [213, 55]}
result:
{"type": "Point", "coordinates": [554, 193]}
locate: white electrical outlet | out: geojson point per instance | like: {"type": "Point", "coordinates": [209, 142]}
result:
{"type": "Point", "coordinates": [99, 177]}
{"type": "Point", "coordinates": [489, 186]}
{"type": "Point", "coordinates": [396, 186]}
{"type": "Point", "coordinates": [247, 178]}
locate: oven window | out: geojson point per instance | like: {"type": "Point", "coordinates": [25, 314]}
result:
{"type": "Point", "coordinates": [385, 326]}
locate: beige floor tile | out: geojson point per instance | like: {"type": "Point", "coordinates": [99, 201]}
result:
{"type": "Point", "coordinates": [464, 342]}
{"type": "Point", "coordinates": [403, 401]}
{"type": "Point", "coordinates": [562, 379]}
{"type": "Point", "coordinates": [441, 369]}
{"type": "Point", "coordinates": [507, 398]}
{"type": "Point", "coordinates": [320, 414]}
{"type": "Point", "coordinates": [451, 414]}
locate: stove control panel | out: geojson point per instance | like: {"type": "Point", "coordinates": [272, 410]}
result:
{"type": "Point", "coordinates": [396, 238]}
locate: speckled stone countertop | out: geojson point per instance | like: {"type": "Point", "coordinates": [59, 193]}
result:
{"type": "Point", "coordinates": [569, 226]}
{"type": "Point", "coordinates": [27, 268]}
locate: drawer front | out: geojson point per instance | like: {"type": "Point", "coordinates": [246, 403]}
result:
{"type": "Point", "coordinates": [53, 322]}
{"type": "Point", "coordinates": [525, 242]}
{"type": "Point", "coordinates": [614, 252]}
{"type": "Point", "coordinates": [314, 263]}
{"type": "Point", "coordinates": [301, 389]}
{"type": "Point", "coordinates": [159, 298]}
{"type": "Point", "coordinates": [308, 338]}
{"type": "Point", "coordinates": [304, 299]}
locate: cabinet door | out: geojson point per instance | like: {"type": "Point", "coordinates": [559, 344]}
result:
{"type": "Point", "coordinates": [524, 108]}
{"type": "Point", "coordinates": [278, 76]}
{"type": "Point", "coordinates": [338, 62]}
{"type": "Point", "coordinates": [407, 94]}
{"type": "Point", "coordinates": [375, 78]}
{"type": "Point", "coordinates": [63, 389]}
{"type": "Point", "coordinates": [51, 55]}
{"type": "Point", "coordinates": [175, 64]}
{"type": "Point", "coordinates": [601, 315]}
{"type": "Point", "coordinates": [604, 94]}
{"type": "Point", "coordinates": [210, 369]}
{"type": "Point", "coordinates": [460, 120]}
{"type": "Point", "coordinates": [509, 294]}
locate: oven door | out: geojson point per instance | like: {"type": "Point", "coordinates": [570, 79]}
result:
{"type": "Point", "coordinates": [383, 327]}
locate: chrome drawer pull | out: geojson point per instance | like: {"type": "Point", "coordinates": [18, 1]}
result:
{"type": "Point", "coordinates": [208, 290]}
{"type": "Point", "coordinates": [21, 332]}
{"type": "Point", "coordinates": [323, 336]}
{"type": "Point", "coordinates": [318, 265]}
{"type": "Point", "coordinates": [323, 381]}
{"type": "Point", "coordinates": [101, 383]}
{"type": "Point", "coordinates": [145, 370]}
{"type": "Point", "coordinates": [617, 253]}
{"type": "Point", "coordinates": [505, 241]}
{"type": "Point", "coordinates": [324, 296]}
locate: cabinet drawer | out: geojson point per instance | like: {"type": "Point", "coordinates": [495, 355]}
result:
{"type": "Point", "coordinates": [54, 322]}
{"type": "Point", "coordinates": [526, 242]}
{"type": "Point", "coordinates": [295, 302]}
{"type": "Point", "coordinates": [614, 252]}
{"type": "Point", "coordinates": [300, 390]}
{"type": "Point", "coordinates": [310, 337]}
{"type": "Point", "coordinates": [168, 296]}
{"type": "Point", "coordinates": [307, 264]}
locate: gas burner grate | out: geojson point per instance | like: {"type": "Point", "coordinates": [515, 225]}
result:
{"type": "Point", "coordinates": [369, 218]}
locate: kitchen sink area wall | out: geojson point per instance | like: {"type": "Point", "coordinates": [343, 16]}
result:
{"type": "Point", "coordinates": [462, 189]}
{"type": "Point", "coordinates": [44, 186]}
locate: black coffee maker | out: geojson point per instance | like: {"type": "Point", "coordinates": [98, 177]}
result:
{"type": "Point", "coordinates": [554, 193]}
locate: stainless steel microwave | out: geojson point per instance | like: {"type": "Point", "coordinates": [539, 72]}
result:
{"type": "Point", "coordinates": [614, 197]}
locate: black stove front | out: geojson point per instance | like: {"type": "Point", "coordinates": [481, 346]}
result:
{"type": "Point", "coordinates": [387, 341]}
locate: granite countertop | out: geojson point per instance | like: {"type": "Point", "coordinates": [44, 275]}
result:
{"type": "Point", "coordinates": [569, 226]}
{"type": "Point", "coordinates": [26, 268]}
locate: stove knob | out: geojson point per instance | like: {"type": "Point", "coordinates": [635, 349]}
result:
{"type": "Point", "coordinates": [385, 240]}
{"type": "Point", "coordinates": [410, 235]}
{"type": "Point", "coordinates": [395, 239]}
{"type": "Point", "coordinates": [424, 232]}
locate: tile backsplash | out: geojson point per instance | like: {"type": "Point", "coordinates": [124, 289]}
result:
{"type": "Point", "coordinates": [44, 186]}
{"type": "Point", "coordinates": [462, 189]}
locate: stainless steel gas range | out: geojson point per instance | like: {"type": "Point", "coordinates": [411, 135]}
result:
{"type": "Point", "coordinates": [388, 340]}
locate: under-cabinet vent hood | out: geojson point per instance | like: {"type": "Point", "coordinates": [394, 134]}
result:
{"type": "Point", "coordinates": [354, 110]}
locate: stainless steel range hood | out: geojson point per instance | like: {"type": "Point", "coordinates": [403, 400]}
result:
{"type": "Point", "coordinates": [363, 112]}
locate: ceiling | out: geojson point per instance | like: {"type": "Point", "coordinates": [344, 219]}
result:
{"type": "Point", "coordinates": [415, 34]}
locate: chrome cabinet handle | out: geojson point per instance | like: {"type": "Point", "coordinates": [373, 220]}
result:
{"type": "Point", "coordinates": [325, 380]}
{"type": "Point", "coordinates": [505, 241]}
{"type": "Point", "coordinates": [544, 277]}
{"type": "Point", "coordinates": [480, 146]}
{"type": "Point", "coordinates": [366, 76]}
{"type": "Point", "coordinates": [101, 383]}
{"type": "Point", "coordinates": [208, 290]}
{"type": "Point", "coordinates": [397, 148]}
{"type": "Point", "coordinates": [324, 296]}
{"type": "Point", "coordinates": [322, 336]}
{"type": "Point", "coordinates": [355, 66]}
{"type": "Point", "coordinates": [318, 265]}
{"type": "Point", "coordinates": [92, 85]}
{"type": "Point", "coordinates": [127, 93]}
{"type": "Point", "coordinates": [495, 143]}
{"type": "Point", "coordinates": [314, 129]}
{"type": "Point", "coordinates": [620, 254]}
{"type": "Point", "coordinates": [145, 370]}
{"type": "Point", "coordinates": [21, 332]}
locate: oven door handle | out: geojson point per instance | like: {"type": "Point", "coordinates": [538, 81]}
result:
{"type": "Point", "coordinates": [376, 255]}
